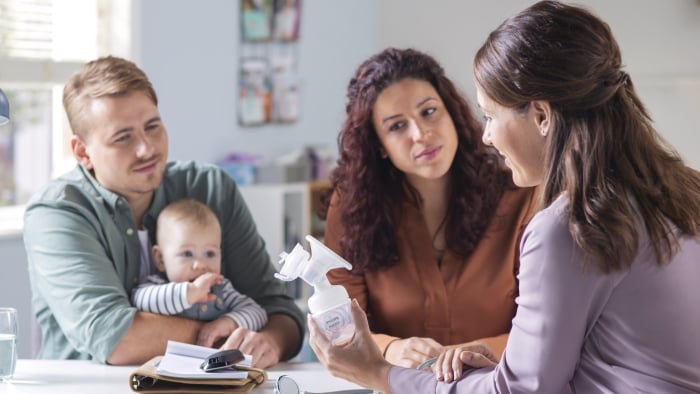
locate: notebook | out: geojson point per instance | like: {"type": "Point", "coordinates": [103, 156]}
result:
{"type": "Point", "coordinates": [182, 360]}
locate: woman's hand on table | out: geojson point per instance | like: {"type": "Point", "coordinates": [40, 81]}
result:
{"type": "Point", "coordinates": [411, 352]}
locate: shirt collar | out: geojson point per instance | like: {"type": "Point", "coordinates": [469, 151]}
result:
{"type": "Point", "coordinates": [110, 198]}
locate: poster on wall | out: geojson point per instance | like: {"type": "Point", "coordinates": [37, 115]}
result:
{"type": "Point", "coordinates": [256, 16]}
{"type": "Point", "coordinates": [286, 98]}
{"type": "Point", "coordinates": [254, 99]}
{"type": "Point", "coordinates": [269, 83]}
{"type": "Point", "coordinates": [286, 21]}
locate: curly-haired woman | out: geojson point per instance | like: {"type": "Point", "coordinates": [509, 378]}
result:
{"type": "Point", "coordinates": [425, 212]}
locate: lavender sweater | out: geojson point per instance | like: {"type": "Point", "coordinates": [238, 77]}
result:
{"type": "Point", "coordinates": [582, 331]}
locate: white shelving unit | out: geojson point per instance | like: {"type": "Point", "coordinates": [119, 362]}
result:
{"type": "Point", "coordinates": [282, 213]}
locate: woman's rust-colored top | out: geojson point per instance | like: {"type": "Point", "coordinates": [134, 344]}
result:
{"type": "Point", "coordinates": [458, 301]}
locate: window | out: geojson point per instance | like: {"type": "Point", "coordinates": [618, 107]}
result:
{"type": "Point", "coordinates": [42, 43]}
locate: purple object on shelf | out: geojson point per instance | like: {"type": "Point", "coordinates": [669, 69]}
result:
{"type": "Point", "coordinates": [241, 167]}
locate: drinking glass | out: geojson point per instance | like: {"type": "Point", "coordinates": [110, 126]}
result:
{"type": "Point", "coordinates": [8, 343]}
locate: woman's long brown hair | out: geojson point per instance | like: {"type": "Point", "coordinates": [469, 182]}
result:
{"type": "Point", "coordinates": [604, 152]}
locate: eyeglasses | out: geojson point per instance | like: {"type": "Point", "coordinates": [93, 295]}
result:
{"type": "Point", "coordinates": [287, 385]}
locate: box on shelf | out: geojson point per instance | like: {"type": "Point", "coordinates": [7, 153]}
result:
{"type": "Point", "coordinates": [241, 167]}
{"type": "Point", "coordinates": [301, 165]}
{"type": "Point", "coordinates": [242, 173]}
{"type": "Point", "coordinates": [284, 173]}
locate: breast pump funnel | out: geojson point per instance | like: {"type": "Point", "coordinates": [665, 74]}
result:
{"type": "Point", "coordinates": [329, 305]}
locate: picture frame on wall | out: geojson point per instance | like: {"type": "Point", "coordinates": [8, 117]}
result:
{"type": "Point", "coordinates": [256, 20]}
{"type": "Point", "coordinates": [255, 96]}
{"type": "Point", "coordinates": [269, 83]}
{"type": "Point", "coordinates": [286, 95]}
{"type": "Point", "coordinates": [286, 20]}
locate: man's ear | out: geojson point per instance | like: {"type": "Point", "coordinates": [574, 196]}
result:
{"type": "Point", "coordinates": [158, 258]}
{"type": "Point", "coordinates": [542, 113]}
{"type": "Point", "coordinates": [80, 152]}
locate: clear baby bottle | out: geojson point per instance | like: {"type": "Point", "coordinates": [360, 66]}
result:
{"type": "Point", "coordinates": [330, 304]}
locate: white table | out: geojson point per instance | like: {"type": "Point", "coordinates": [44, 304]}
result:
{"type": "Point", "coordinates": [70, 377]}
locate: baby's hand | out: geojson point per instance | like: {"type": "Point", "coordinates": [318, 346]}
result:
{"type": "Point", "coordinates": [217, 329]}
{"type": "Point", "coordinates": [199, 290]}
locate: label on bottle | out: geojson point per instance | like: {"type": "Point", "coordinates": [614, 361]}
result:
{"type": "Point", "coordinates": [336, 323]}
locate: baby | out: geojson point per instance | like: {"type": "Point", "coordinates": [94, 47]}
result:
{"type": "Point", "coordinates": [188, 253]}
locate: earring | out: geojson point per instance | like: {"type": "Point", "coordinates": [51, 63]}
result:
{"type": "Point", "coordinates": [543, 131]}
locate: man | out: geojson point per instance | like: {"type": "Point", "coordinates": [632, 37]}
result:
{"type": "Point", "coordinates": [87, 233]}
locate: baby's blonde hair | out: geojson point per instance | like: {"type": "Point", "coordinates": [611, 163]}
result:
{"type": "Point", "coordinates": [187, 210]}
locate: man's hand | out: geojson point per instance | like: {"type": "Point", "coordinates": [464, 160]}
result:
{"type": "Point", "coordinates": [279, 340]}
{"type": "Point", "coordinates": [411, 352]}
{"type": "Point", "coordinates": [199, 290]}
{"type": "Point", "coordinates": [213, 331]}
{"type": "Point", "coordinates": [260, 345]}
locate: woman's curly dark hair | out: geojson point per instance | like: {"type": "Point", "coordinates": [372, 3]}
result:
{"type": "Point", "coordinates": [370, 189]}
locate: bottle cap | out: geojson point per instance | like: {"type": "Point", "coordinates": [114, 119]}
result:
{"type": "Point", "coordinates": [311, 268]}
{"type": "Point", "coordinates": [327, 298]}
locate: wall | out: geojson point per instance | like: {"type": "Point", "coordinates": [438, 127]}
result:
{"type": "Point", "coordinates": [190, 50]}
{"type": "Point", "coordinates": [658, 39]}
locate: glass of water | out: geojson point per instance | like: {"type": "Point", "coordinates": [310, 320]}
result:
{"type": "Point", "coordinates": [8, 343]}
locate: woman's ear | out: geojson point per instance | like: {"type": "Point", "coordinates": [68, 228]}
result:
{"type": "Point", "coordinates": [542, 112]}
{"type": "Point", "coordinates": [80, 152]}
{"type": "Point", "coordinates": [158, 258]}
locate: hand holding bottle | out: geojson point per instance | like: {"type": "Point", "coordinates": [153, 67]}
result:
{"type": "Point", "coordinates": [329, 305]}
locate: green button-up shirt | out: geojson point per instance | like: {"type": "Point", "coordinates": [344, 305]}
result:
{"type": "Point", "coordinates": [84, 255]}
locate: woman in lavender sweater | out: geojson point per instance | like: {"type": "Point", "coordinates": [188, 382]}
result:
{"type": "Point", "coordinates": [608, 300]}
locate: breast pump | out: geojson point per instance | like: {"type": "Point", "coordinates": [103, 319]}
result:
{"type": "Point", "coordinates": [329, 305]}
